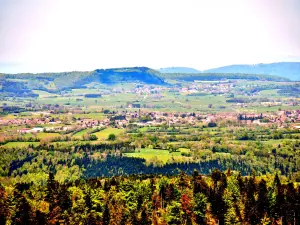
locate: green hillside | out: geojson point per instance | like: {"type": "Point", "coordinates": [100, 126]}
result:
{"type": "Point", "coordinates": [23, 84]}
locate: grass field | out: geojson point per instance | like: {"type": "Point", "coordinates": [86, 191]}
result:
{"type": "Point", "coordinates": [42, 135]}
{"type": "Point", "coordinates": [82, 132]}
{"type": "Point", "coordinates": [103, 135]}
{"type": "Point", "coordinates": [168, 101]}
{"type": "Point", "coordinates": [8, 117]}
{"type": "Point", "coordinates": [85, 91]}
{"type": "Point", "coordinates": [162, 155]}
{"type": "Point", "coordinates": [44, 94]}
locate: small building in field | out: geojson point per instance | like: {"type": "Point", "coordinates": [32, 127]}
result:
{"type": "Point", "coordinates": [24, 130]}
{"type": "Point", "coordinates": [28, 130]}
{"type": "Point", "coordinates": [37, 129]}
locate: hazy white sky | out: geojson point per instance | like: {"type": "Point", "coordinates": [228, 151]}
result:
{"type": "Point", "coordinates": [67, 35]}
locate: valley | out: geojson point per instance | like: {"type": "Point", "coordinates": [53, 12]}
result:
{"type": "Point", "coordinates": [102, 134]}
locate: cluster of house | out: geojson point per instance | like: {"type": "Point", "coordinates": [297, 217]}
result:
{"type": "Point", "coordinates": [158, 118]}
{"type": "Point", "coordinates": [143, 118]}
{"type": "Point", "coordinates": [28, 121]}
{"type": "Point", "coordinates": [145, 89]}
{"type": "Point", "coordinates": [92, 123]}
{"type": "Point", "coordinates": [212, 88]}
{"type": "Point", "coordinates": [281, 118]}
{"type": "Point", "coordinates": [288, 116]}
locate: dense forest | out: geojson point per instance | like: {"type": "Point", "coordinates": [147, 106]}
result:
{"type": "Point", "coordinates": [86, 160]}
{"type": "Point", "coordinates": [217, 198]}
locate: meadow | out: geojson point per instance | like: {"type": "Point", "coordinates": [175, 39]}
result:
{"type": "Point", "coordinates": [204, 97]}
{"type": "Point", "coordinates": [103, 134]}
{"type": "Point", "coordinates": [154, 155]}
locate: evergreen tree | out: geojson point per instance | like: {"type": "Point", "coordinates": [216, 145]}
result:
{"type": "Point", "coordinates": [279, 199]}
{"type": "Point", "coordinates": [251, 213]}
{"type": "Point", "coordinates": [40, 218]}
{"type": "Point", "coordinates": [262, 201]}
{"type": "Point", "coordinates": [3, 205]}
{"type": "Point", "coordinates": [106, 215]}
{"type": "Point", "coordinates": [144, 217]}
{"type": "Point", "coordinates": [23, 211]}
{"type": "Point", "coordinates": [218, 206]}
{"type": "Point", "coordinates": [291, 202]}
{"type": "Point", "coordinates": [63, 196]}
{"type": "Point", "coordinates": [199, 208]}
{"type": "Point", "coordinates": [51, 191]}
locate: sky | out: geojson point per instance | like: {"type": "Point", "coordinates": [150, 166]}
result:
{"type": "Point", "coordinates": [69, 35]}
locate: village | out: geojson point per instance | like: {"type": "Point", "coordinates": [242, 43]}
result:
{"type": "Point", "coordinates": [56, 123]}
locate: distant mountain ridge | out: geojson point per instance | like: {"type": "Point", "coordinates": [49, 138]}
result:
{"type": "Point", "coordinates": [129, 74]}
{"type": "Point", "coordinates": [178, 70]}
{"type": "Point", "coordinates": [290, 70]}
{"type": "Point", "coordinates": [23, 84]}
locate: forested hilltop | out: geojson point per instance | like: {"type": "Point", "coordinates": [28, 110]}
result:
{"type": "Point", "coordinates": [23, 84]}
{"type": "Point", "coordinates": [56, 82]}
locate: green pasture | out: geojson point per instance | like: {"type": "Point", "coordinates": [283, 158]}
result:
{"type": "Point", "coordinates": [82, 132]}
{"type": "Point", "coordinates": [42, 135]}
{"type": "Point", "coordinates": [103, 134]}
{"type": "Point", "coordinates": [44, 94]}
{"type": "Point", "coordinates": [162, 155]}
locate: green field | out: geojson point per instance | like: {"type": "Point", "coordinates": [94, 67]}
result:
{"type": "Point", "coordinates": [82, 132]}
{"type": "Point", "coordinates": [103, 134]}
{"type": "Point", "coordinates": [157, 154]}
{"type": "Point", "coordinates": [119, 95]}
{"type": "Point", "coordinates": [41, 135]}
{"type": "Point", "coordinates": [44, 94]}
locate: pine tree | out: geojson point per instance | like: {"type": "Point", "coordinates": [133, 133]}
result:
{"type": "Point", "coordinates": [144, 217]}
{"type": "Point", "coordinates": [134, 220]}
{"type": "Point", "coordinates": [183, 180]}
{"type": "Point", "coordinates": [40, 218]}
{"type": "Point", "coordinates": [280, 199]}
{"type": "Point", "coordinates": [63, 198]}
{"type": "Point", "coordinates": [88, 200]}
{"type": "Point", "coordinates": [218, 205]}
{"type": "Point", "coordinates": [106, 215]}
{"type": "Point", "coordinates": [251, 214]}
{"type": "Point", "coordinates": [3, 205]}
{"type": "Point", "coordinates": [199, 185]}
{"type": "Point", "coordinates": [51, 191]}
{"type": "Point", "coordinates": [23, 211]}
{"type": "Point", "coordinates": [262, 201]}
{"type": "Point", "coordinates": [199, 208]}
{"type": "Point", "coordinates": [291, 199]}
